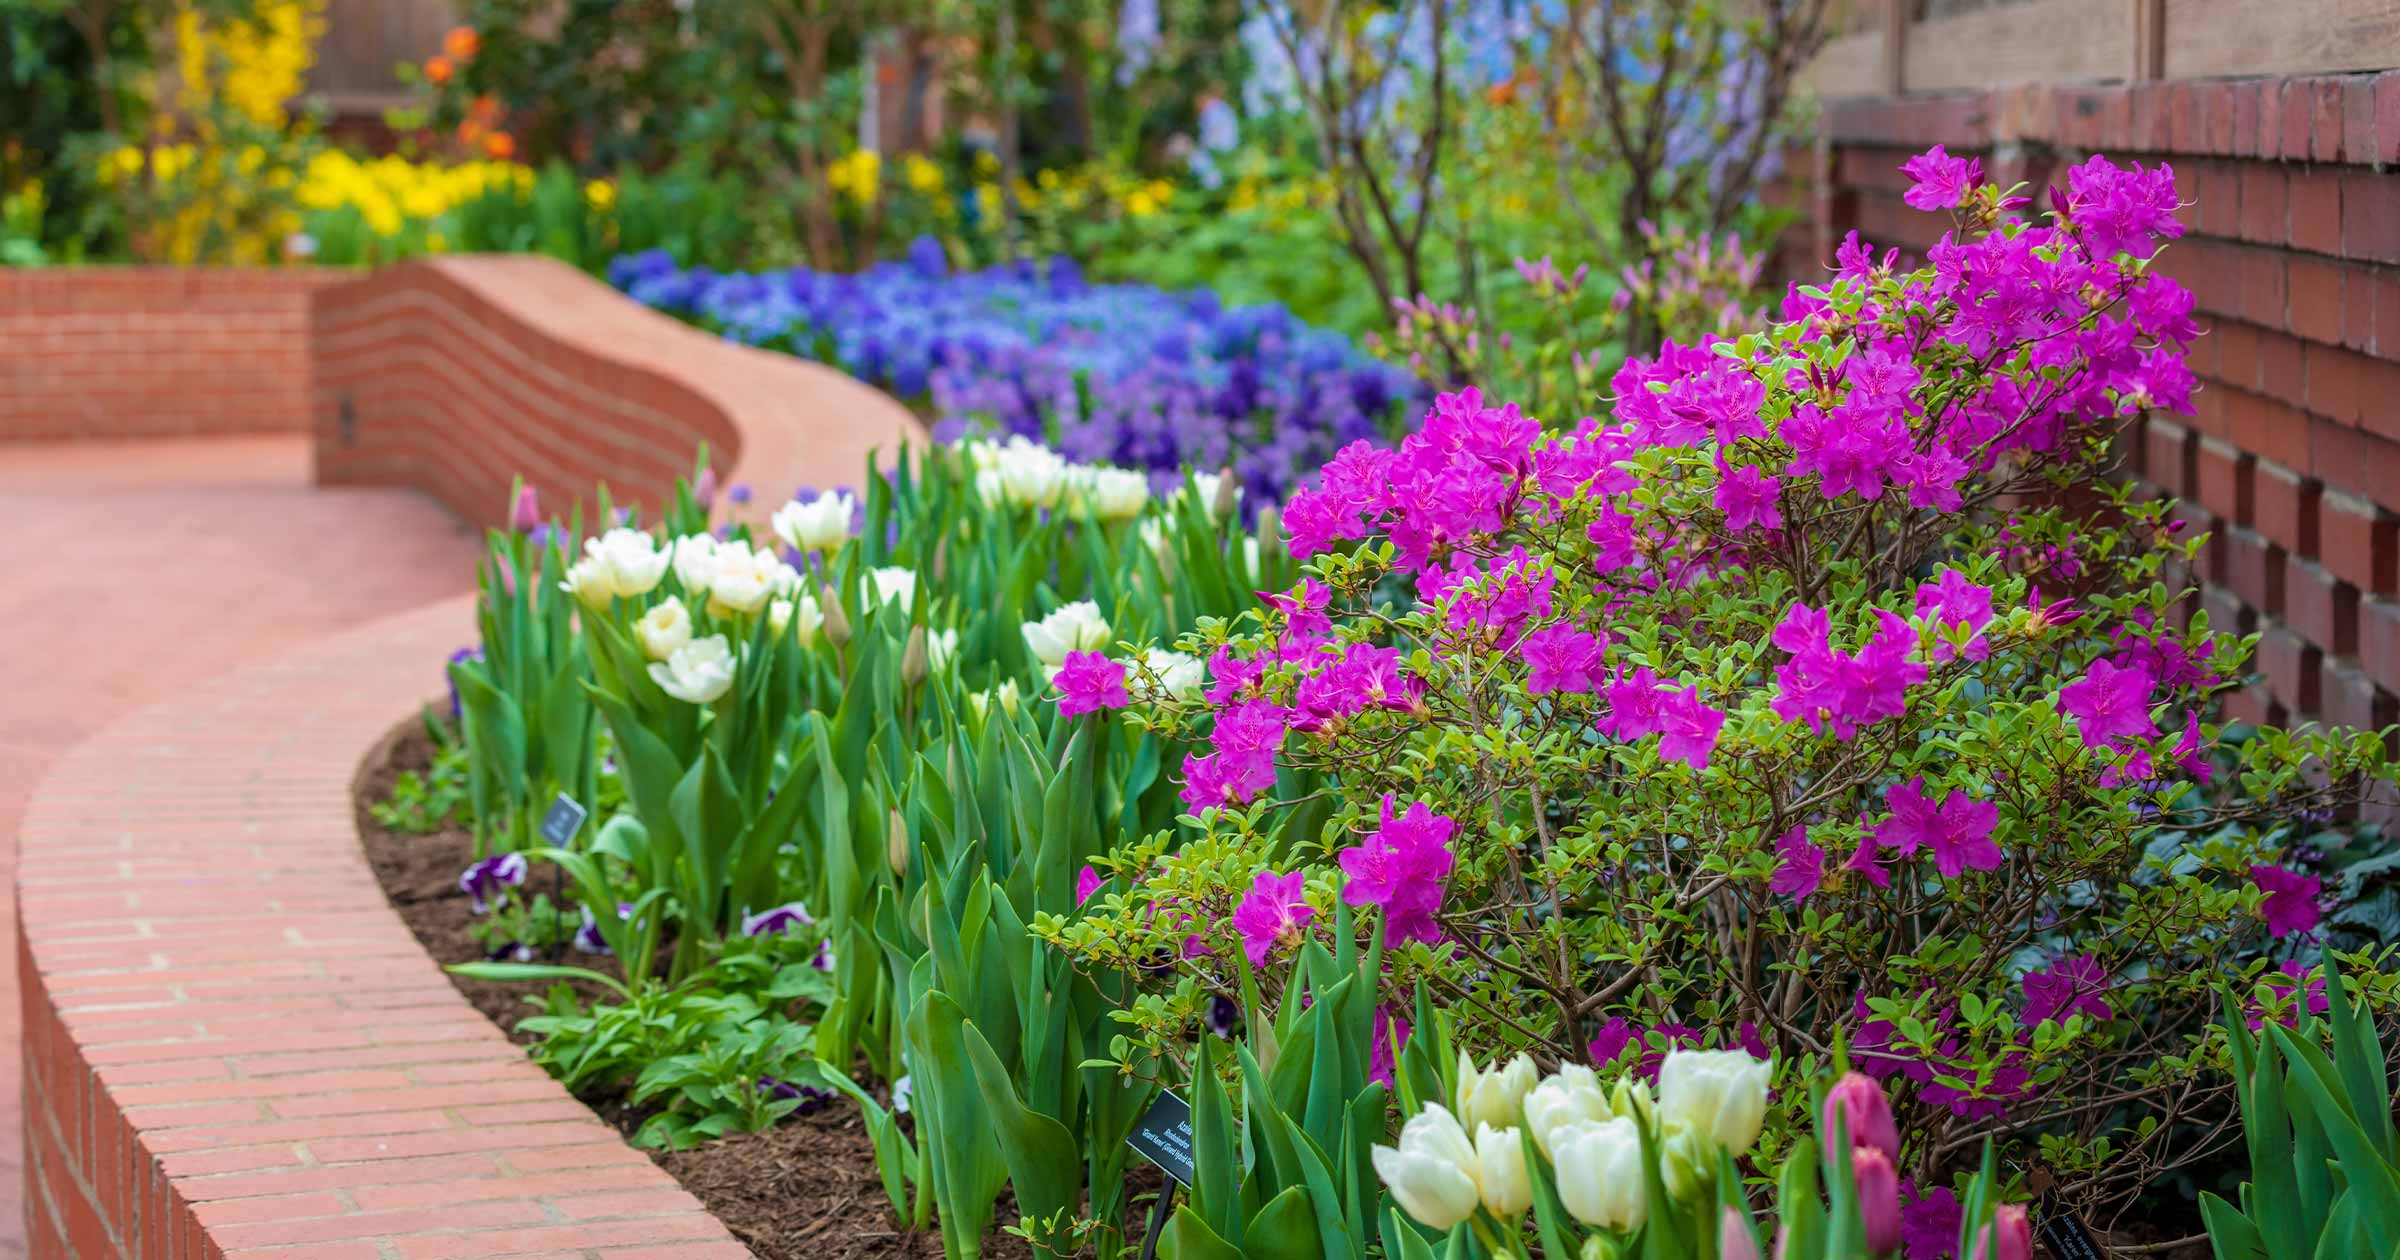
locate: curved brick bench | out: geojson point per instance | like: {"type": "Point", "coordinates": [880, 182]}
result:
{"type": "Point", "coordinates": [456, 374]}
{"type": "Point", "coordinates": [235, 1049]}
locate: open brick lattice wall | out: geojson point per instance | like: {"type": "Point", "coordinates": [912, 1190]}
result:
{"type": "Point", "coordinates": [235, 1049]}
{"type": "Point", "coordinates": [457, 374]}
{"type": "Point", "coordinates": [127, 352]}
{"type": "Point", "coordinates": [2293, 254]}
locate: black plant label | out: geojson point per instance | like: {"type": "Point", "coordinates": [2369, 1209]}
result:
{"type": "Point", "coordinates": [1164, 1137]}
{"type": "Point", "coordinates": [562, 820]}
{"type": "Point", "coordinates": [2065, 1237]}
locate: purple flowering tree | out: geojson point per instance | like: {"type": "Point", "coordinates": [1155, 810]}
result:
{"type": "Point", "coordinates": [1828, 698]}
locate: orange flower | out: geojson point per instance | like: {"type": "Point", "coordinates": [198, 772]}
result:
{"type": "Point", "coordinates": [499, 146]}
{"type": "Point", "coordinates": [1501, 93]}
{"type": "Point", "coordinates": [469, 132]}
{"type": "Point", "coordinates": [462, 43]}
{"type": "Point", "coordinates": [437, 70]}
{"type": "Point", "coordinates": [484, 110]}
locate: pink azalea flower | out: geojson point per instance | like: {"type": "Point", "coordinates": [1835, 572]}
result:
{"type": "Point", "coordinates": [2070, 986]}
{"type": "Point", "coordinates": [1799, 866]}
{"type": "Point", "coordinates": [1391, 1037]}
{"type": "Point", "coordinates": [1952, 600]}
{"type": "Point", "coordinates": [1088, 683]}
{"type": "Point", "coordinates": [2109, 703]}
{"type": "Point", "coordinates": [1087, 884]}
{"type": "Point", "coordinates": [1400, 867]}
{"type": "Point", "coordinates": [1862, 860]}
{"type": "Point", "coordinates": [1959, 830]}
{"type": "Point", "coordinates": [1688, 728]}
{"type": "Point", "coordinates": [1560, 657]}
{"type": "Point", "coordinates": [2282, 984]}
{"type": "Point", "coordinates": [1748, 498]}
{"type": "Point", "coordinates": [1273, 915]}
{"type": "Point", "coordinates": [2291, 902]}
{"type": "Point", "coordinates": [1940, 181]}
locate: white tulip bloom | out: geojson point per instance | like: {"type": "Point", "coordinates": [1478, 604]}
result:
{"type": "Point", "coordinates": [1077, 627]}
{"type": "Point", "coordinates": [1153, 533]}
{"type": "Point", "coordinates": [940, 647]}
{"type": "Point", "coordinates": [892, 585]}
{"type": "Point", "coordinates": [1500, 1172]}
{"type": "Point", "coordinates": [744, 580]}
{"type": "Point", "coordinates": [1598, 1167]}
{"type": "Point", "coordinates": [1029, 474]}
{"type": "Point", "coordinates": [803, 607]}
{"type": "Point", "coordinates": [822, 524]}
{"type": "Point", "coordinates": [1571, 1095]}
{"type": "Point", "coordinates": [1179, 675]}
{"type": "Point", "coordinates": [1496, 1097]}
{"type": "Point", "coordinates": [1213, 491]}
{"type": "Point", "coordinates": [1432, 1172]}
{"type": "Point", "coordinates": [1112, 494]}
{"type": "Point", "coordinates": [590, 584]}
{"type": "Point", "coordinates": [698, 672]}
{"type": "Point", "coordinates": [695, 562]}
{"type": "Point", "coordinates": [626, 562]}
{"type": "Point", "coordinates": [1718, 1094]}
{"type": "Point", "coordinates": [1005, 695]}
{"type": "Point", "coordinates": [666, 627]}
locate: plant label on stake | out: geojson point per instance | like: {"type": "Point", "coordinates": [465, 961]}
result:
{"type": "Point", "coordinates": [1164, 1137]}
{"type": "Point", "coordinates": [2063, 1233]}
{"type": "Point", "coordinates": [562, 820]}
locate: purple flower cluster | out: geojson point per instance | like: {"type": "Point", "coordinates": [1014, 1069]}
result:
{"type": "Point", "coordinates": [1107, 373]}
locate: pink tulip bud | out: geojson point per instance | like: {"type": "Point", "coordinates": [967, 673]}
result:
{"type": "Point", "coordinates": [704, 490]}
{"type": "Point", "coordinates": [2010, 1237]}
{"type": "Point", "coordinates": [1878, 1198]}
{"type": "Point", "coordinates": [526, 512]}
{"type": "Point", "coordinates": [1864, 1113]}
{"type": "Point", "coordinates": [1734, 1241]}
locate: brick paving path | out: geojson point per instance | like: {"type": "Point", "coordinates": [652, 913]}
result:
{"type": "Point", "coordinates": [138, 570]}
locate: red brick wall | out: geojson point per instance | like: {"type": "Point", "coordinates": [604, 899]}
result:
{"type": "Point", "coordinates": [115, 352]}
{"type": "Point", "coordinates": [2293, 253]}
{"type": "Point", "coordinates": [455, 375]}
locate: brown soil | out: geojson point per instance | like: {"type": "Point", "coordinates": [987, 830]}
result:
{"type": "Point", "coordinates": [806, 1188]}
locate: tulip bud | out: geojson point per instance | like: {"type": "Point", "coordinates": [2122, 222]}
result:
{"type": "Point", "coordinates": [1719, 1094]}
{"type": "Point", "coordinates": [896, 845]}
{"type": "Point", "coordinates": [1496, 1097]}
{"type": "Point", "coordinates": [1270, 524]}
{"type": "Point", "coordinates": [912, 658]}
{"type": "Point", "coordinates": [704, 489]}
{"type": "Point", "coordinates": [1431, 1174]}
{"type": "Point", "coordinates": [1865, 1114]}
{"type": "Point", "coordinates": [837, 623]}
{"type": "Point", "coordinates": [941, 554]}
{"type": "Point", "coordinates": [1600, 1247]}
{"type": "Point", "coordinates": [1687, 1162]}
{"type": "Point", "coordinates": [1500, 1172]}
{"type": "Point", "coordinates": [526, 512]}
{"type": "Point", "coordinates": [1878, 1198]}
{"type": "Point", "coordinates": [2009, 1237]}
{"type": "Point", "coordinates": [1734, 1239]}
{"type": "Point", "coordinates": [1229, 493]}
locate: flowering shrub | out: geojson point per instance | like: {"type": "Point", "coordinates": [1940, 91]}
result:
{"type": "Point", "coordinates": [1123, 374]}
{"type": "Point", "coordinates": [1826, 700]}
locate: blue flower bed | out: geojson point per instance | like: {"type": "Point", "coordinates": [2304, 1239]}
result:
{"type": "Point", "coordinates": [1108, 373]}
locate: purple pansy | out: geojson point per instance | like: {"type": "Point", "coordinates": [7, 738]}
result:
{"type": "Point", "coordinates": [487, 882]}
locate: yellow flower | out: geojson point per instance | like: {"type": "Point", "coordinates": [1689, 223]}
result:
{"type": "Point", "coordinates": [924, 176]}
{"type": "Point", "coordinates": [600, 193]}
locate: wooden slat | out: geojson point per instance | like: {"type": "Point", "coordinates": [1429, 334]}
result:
{"type": "Point", "coordinates": [2040, 41]}
{"type": "Point", "coordinates": [2207, 38]}
{"type": "Point", "coordinates": [365, 39]}
{"type": "Point", "coordinates": [2102, 41]}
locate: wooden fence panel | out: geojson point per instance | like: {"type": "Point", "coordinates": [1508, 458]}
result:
{"type": "Point", "coordinates": [365, 39]}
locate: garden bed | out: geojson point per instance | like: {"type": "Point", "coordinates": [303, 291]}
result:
{"type": "Point", "coordinates": [807, 1187]}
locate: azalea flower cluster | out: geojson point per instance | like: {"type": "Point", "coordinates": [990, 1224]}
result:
{"type": "Point", "coordinates": [1115, 373]}
{"type": "Point", "coordinates": [1796, 703]}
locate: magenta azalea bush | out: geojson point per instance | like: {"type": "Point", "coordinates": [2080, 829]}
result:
{"type": "Point", "coordinates": [1827, 700]}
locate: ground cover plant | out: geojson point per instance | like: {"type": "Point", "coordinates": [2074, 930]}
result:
{"type": "Point", "coordinates": [1116, 373]}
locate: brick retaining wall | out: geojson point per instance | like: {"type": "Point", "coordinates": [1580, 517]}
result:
{"type": "Point", "coordinates": [455, 374]}
{"type": "Point", "coordinates": [126, 352]}
{"type": "Point", "coordinates": [234, 1048]}
{"type": "Point", "coordinates": [2293, 462]}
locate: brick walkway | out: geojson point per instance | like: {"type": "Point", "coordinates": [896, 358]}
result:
{"type": "Point", "coordinates": [136, 571]}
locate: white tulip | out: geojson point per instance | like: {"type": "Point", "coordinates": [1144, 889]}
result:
{"type": "Point", "coordinates": [744, 580]}
{"type": "Point", "coordinates": [1077, 627]}
{"type": "Point", "coordinates": [803, 607]}
{"type": "Point", "coordinates": [590, 584]}
{"type": "Point", "coordinates": [892, 585]}
{"type": "Point", "coordinates": [1026, 474]}
{"type": "Point", "coordinates": [1213, 491]}
{"type": "Point", "coordinates": [822, 524]}
{"type": "Point", "coordinates": [666, 627]}
{"type": "Point", "coordinates": [1005, 695]}
{"type": "Point", "coordinates": [1179, 675]}
{"type": "Point", "coordinates": [1718, 1094]}
{"type": "Point", "coordinates": [622, 563]}
{"type": "Point", "coordinates": [1153, 533]}
{"type": "Point", "coordinates": [1571, 1095]}
{"type": "Point", "coordinates": [698, 672]}
{"type": "Point", "coordinates": [1598, 1167]}
{"type": "Point", "coordinates": [1112, 494]}
{"type": "Point", "coordinates": [695, 562]}
{"type": "Point", "coordinates": [1500, 1172]}
{"type": "Point", "coordinates": [1432, 1172]}
{"type": "Point", "coordinates": [1496, 1097]}
{"type": "Point", "coordinates": [940, 647]}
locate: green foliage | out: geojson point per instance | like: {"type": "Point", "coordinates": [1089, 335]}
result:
{"type": "Point", "coordinates": [423, 804]}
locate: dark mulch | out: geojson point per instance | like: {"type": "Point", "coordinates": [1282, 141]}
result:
{"type": "Point", "coordinates": [805, 1189]}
